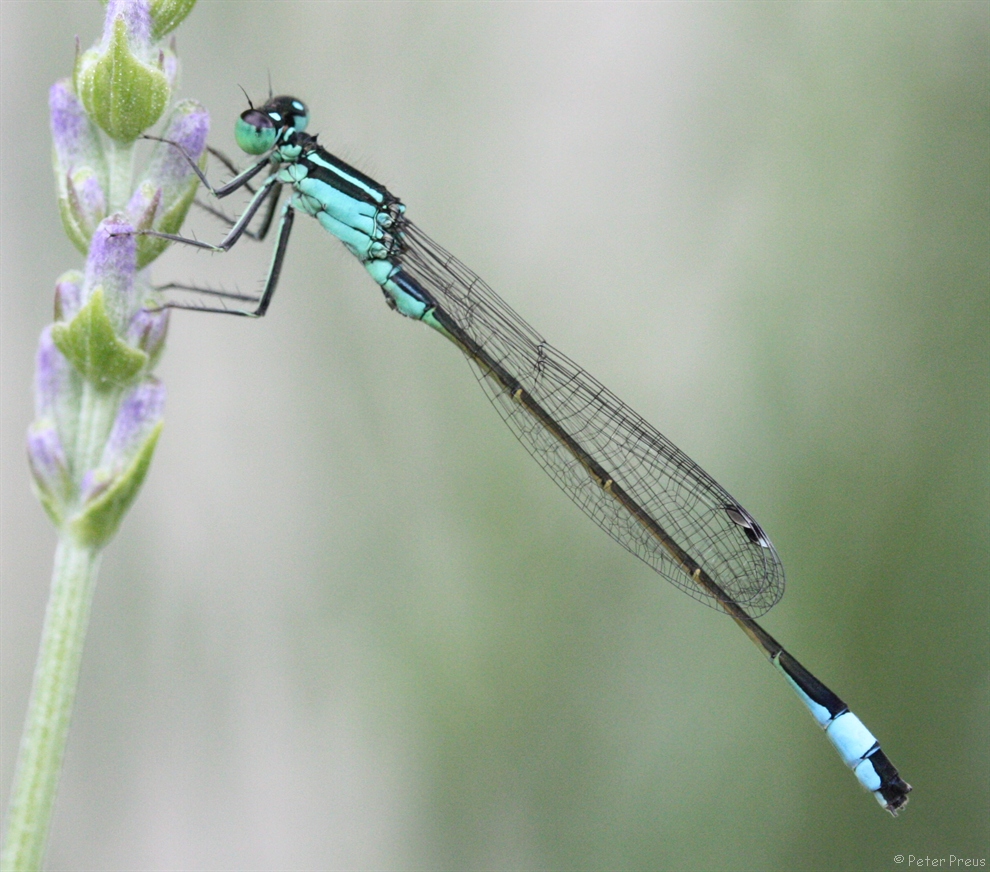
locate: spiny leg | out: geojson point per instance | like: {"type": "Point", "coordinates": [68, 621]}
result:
{"type": "Point", "coordinates": [262, 231]}
{"type": "Point", "coordinates": [269, 191]}
{"type": "Point", "coordinates": [266, 223]}
{"type": "Point", "coordinates": [236, 231]}
{"type": "Point", "coordinates": [271, 281]}
{"type": "Point", "coordinates": [278, 256]}
{"type": "Point", "coordinates": [220, 156]}
{"type": "Point", "coordinates": [210, 292]}
{"type": "Point", "coordinates": [239, 181]}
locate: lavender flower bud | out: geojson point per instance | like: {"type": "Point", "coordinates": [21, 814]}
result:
{"type": "Point", "coordinates": [55, 381]}
{"type": "Point", "coordinates": [49, 470]}
{"type": "Point", "coordinates": [68, 295]}
{"type": "Point", "coordinates": [147, 331]}
{"type": "Point", "coordinates": [92, 341]}
{"type": "Point", "coordinates": [56, 394]}
{"type": "Point", "coordinates": [79, 164]}
{"type": "Point", "coordinates": [164, 195]}
{"type": "Point", "coordinates": [111, 266]}
{"type": "Point", "coordinates": [108, 490]}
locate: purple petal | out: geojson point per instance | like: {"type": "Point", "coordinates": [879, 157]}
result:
{"type": "Point", "coordinates": [143, 205]}
{"type": "Point", "coordinates": [94, 482]}
{"type": "Point", "coordinates": [112, 265]}
{"type": "Point", "coordinates": [89, 193]}
{"type": "Point", "coordinates": [52, 377]}
{"type": "Point", "coordinates": [170, 64]}
{"type": "Point", "coordinates": [168, 168]}
{"type": "Point", "coordinates": [137, 19]}
{"type": "Point", "coordinates": [68, 121]}
{"type": "Point", "coordinates": [47, 459]}
{"type": "Point", "coordinates": [139, 412]}
{"type": "Point", "coordinates": [147, 331]}
{"type": "Point", "coordinates": [68, 295]}
{"type": "Point", "coordinates": [76, 141]}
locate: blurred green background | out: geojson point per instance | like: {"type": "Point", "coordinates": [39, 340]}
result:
{"type": "Point", "coordinates": [350, 624]}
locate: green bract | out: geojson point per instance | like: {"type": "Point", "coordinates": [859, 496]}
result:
{"type": "Point", "coordinates": [166, 15]}
{"type": "Point", "coordinates": [95, 350]}
{"type": "Point", "coordinates": [122, 94]}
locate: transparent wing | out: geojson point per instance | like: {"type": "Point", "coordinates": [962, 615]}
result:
{"type": "Point", "coordinates": [694, 509]}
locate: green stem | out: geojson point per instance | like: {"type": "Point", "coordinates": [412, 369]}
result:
{"type": "Point", "coordinates": [120, 164]}
{"type": "Point", "coordinates": [56, 674]}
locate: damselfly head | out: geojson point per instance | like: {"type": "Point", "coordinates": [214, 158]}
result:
{"type": "Point", "coordinates": [287, 112]}
{"type": "Point", "coordinates": [259, 129]}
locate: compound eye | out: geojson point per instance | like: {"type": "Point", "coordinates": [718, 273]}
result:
{"type": "Point", "coordinates": [255, 132]}
{"type": "Point", "coordinates": [301, 114]}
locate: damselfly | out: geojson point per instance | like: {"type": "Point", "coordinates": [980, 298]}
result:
{"type": "Point", "coordinates": [632, 481]}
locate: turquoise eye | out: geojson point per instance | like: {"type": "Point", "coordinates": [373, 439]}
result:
{"type": "Point", "coordinates": [255, 132]}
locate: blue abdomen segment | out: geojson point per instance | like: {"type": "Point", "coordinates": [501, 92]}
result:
{"type": "Point", "coordinates": [364, 216]}
{"type": "Point", "coordinates": [408, 296]}
{"type": "Point", "coordinates": [328, 200]}
{"type": "Point", "coordinates": [358, 225]}
{"type": "Point", "coordinates": [354, 208]}
{"type": "Point", "coordinates": [360, 243]}
{"type": "Point", "coordinates": [857, 746]}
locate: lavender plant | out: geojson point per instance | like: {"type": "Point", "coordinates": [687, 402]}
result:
{"type": "Point", "coordinates": [98, 407]}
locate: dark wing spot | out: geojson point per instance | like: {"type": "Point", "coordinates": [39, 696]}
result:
{"type": "Point", "coordinates": [739, 516]}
